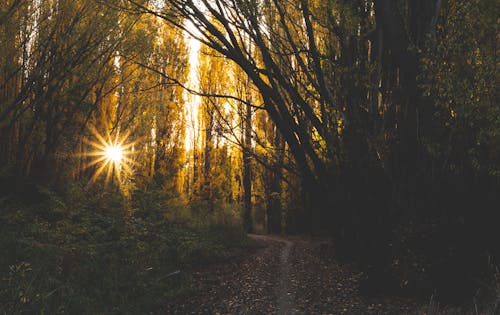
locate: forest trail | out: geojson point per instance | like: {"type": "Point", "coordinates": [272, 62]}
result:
{"type": "Point", "coordinates": [283, 275]}
{"type": "Point", "coordinates": [284, 294]}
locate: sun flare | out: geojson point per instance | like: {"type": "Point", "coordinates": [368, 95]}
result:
{"type": "Point", "coordinates": [110, 156]}
{"type": "Point", "coordinates": [114, 153]}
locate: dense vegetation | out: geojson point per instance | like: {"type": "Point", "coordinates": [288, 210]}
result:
{"type": "Point", "coordinates": [374, 123]}
{"type": "Point", "coordinates": [67, 256]}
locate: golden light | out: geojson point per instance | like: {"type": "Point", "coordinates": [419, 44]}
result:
{"type": "Point", "coordinates": [110, 156]}
{"type": "Point", "coordinates": [193, 102]}
{"type": "Point", "coordinates": [114, 153]}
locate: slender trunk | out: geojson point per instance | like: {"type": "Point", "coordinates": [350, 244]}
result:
{"type": "Point", "coordinates": [207, 182]}
{"type": "Point", "coordinates": [247, 172]}
{"type": "Point", "coordinates": [274, 207]}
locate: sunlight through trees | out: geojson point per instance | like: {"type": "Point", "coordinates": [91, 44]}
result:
{"type": "Point", "coordinates": [375, 122]}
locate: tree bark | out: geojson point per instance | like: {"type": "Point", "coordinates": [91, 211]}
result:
{"type": "Point", "coordinates": [247, 171]}
{"type": "Point", "coordinates": [274, 207]}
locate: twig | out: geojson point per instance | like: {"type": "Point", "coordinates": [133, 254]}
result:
{"type": "Point", "coordinates": [168, 275]}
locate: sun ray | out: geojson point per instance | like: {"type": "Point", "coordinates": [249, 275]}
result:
{"type": "Point", "coordinates": [97, 173]}
{"type": "Point", "coordinates": [109, 172]}
{"type": "Point", "coordinates": [94, 162]}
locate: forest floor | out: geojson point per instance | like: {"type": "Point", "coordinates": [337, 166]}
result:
{"type": "Point", "coordinates": [282, 275]}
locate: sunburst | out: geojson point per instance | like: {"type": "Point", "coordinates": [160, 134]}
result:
{"type": "Point", "coordinates": [111, 155]}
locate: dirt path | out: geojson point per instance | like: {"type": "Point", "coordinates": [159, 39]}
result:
{"type": "Point", "coordinates": [284, 292]}
{"type": "Point", "coordinates": [286, 275]}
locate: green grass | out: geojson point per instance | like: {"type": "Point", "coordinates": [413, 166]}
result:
{"type": "Point", "coordinates": [79, 261]}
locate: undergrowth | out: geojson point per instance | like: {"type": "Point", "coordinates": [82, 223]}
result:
{"type": "Point", "coordinates": [80, 259]}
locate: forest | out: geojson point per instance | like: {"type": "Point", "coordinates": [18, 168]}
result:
{"type": "Point", "coordinates": [148, 148]}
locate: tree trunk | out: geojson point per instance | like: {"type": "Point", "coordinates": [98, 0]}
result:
{"type": "Point", "coordinates": [207, 179]}
{"type": "Point", "coordinates": [274, 208]}
{"type": "Point", "coordinates": [247, 171]}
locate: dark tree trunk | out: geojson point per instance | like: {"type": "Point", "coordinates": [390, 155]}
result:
{"type": "Point", "coordinates": [274, 207]}
{"type": "Point", "coordinates": [401, 36]}
{"type": "Point", "coordinates": [247, 171]}
{"type": "Point", "coordinates": [207, 178]}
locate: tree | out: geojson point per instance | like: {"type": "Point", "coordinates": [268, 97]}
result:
{"type": "Point", "coordinates": [53, 42]}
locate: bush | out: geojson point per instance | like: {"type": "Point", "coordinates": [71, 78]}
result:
{"type": "Point", "coordinates": [74, 257]}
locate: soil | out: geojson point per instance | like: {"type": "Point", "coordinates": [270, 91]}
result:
{"type": "Point", "coordinates": [284, 275]}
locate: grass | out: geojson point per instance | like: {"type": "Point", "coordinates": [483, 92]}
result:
{"type": "Point", "coordinates": [59, 260]}
{"type": "Point", "coordinates": [489, 306]}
